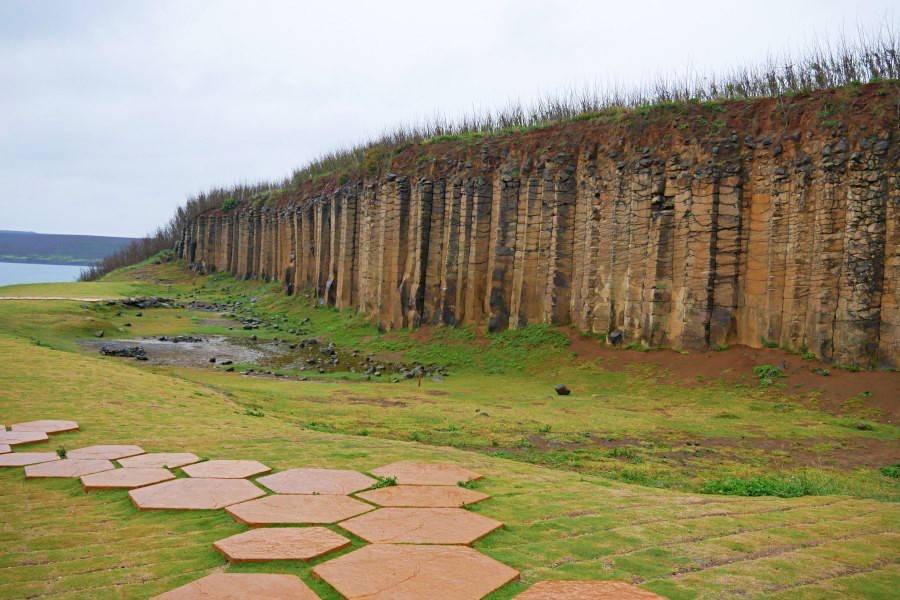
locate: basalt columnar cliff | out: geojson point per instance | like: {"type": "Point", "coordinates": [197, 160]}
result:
{"type": "Point", "coordinates": [687, 226]}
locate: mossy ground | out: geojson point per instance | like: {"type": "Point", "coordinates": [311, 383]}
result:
{"type": "Point", "coordinates": [557, 467]}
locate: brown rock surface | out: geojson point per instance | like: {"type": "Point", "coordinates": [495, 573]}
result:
{"type": "Point", "coordinates": [105, 452]}
{"type": "Point", "coordinates": [423, 496]}
{"type": "Point", "coordinates": [316, 481]}
{"type": "Point", "coordinates": [771, 227]}
{"type": "Point", "coordinates": [20, 459]}
{"type": "Point", "coordinates": [242, 586]}
{"type": "Point", "coordinates": [410, 472]}
{"type": "Point", "coordinates": [69, 467]}
{"type": "Point", "coordinates": [297, 509]}
{"type": "Point", "coordinates": [421, 526]}
{"type": "Point", "coordinates": [585, 590]}
{"type": "Point", "coordinates": [171, 460]}
{"type": "Point", "coordinates": [388, 572]}
{"type": "Point", "coordinates": [194, 494]}
{"type": "Point", "coordinates": [226, 469]}
{"type": "Point", "coordinates": [127, 478]}
{"type": "Point", "coordinates": [280, 543]}
{"type": "Point", "coordinates": [46, 426]}
{"type": "Point", "coordinates": [15, 438]}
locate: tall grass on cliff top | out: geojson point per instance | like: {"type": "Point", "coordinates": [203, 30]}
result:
{"type": "Point", "coordinates": [873, 56]}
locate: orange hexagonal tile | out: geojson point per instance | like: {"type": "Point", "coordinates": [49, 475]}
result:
{"type": "Point", "coordinates": [317, 481]}
{"type": "Point", "coordinates": [297, 509]}
{"type": "Point", "coordinates": [194, 494]}
{"type": "Point", "coordinates": [423, 496]}
{"type": "Point", "coordinates": [14, 438]}
{"type": "Point", "coordinates": [241, 586]}
{"type": "Point", "coordinates": [105, 452]}
{"type": "Point", "coordinates": [586, 590]}
{"type": "Point", "coordinates": [410, 472]}
{"type": "Point", "coordinates": [159, 460]}
{"type": "Point", "coordinates": [46, 426]}
{"type": "Point", "coordinates": [69, 467]}
{"type": "Point", "coordinates": [21, 459]}
{"type": "Point", "coordinates": [421, 526]}
{"type": "Point", "coordinates": [4, 448]}
{"type": "Point", "coordinates": [388, 571]}
{"type": "Point", "coordinates": [127, 479]}
{"type": "Point", "coordinates": [280, 543]}
{"type": "Point", "coordinates": [226, 469]}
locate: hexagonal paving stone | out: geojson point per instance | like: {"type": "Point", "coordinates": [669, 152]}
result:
{"type": "Point", "coordinates": [297, 509]}
{"type": "Point", "coordinates": [20, 459]}
{"type": "Point", "coordinates": [280, 543]}
{"type": "Point", "coordinates": [14, 438]}
{"type": "Point", "coordinates": [158, 460]}
{"type": "Point", "coordinates": [226, 469]}
{"type": "Point", "coordinates": [69, 467]}
{"type": "Point", "coordinates": [423, 496]}
{"type": "Point", "coordinates": [242, 586]}
{"type": "Point", "coordinates": [387, 571]}
{"type": "Point", "coordinates": [4, 448]}
{"type": "Point", "coordinates": [128, 479]}
{"type": "Point", "coordinates": [46, 426]}
{"type": "Point", "coordinates": [317, 481]}
{"type": "Point", "coordinates": [421, 526]}
{"type": "Point", "coordinates": [410, 472]}
{"type": "Point", "coordinates": [585, 590]}
{"type": "Point", "coordinates": [194, 494]}
{"type": "Point", "coordinates": [106, 452]}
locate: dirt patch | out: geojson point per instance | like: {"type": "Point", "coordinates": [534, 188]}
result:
{"type": "Point", "coordinates": [877, 392]}
{"type": "Point", "coordinates": [848, 454]}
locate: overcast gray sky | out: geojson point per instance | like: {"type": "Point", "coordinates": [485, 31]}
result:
{"type": "Point", "coordinates": [113, 112]}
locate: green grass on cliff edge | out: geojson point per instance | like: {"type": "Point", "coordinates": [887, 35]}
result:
{"type": "Point", "coordinates": [557, 468]}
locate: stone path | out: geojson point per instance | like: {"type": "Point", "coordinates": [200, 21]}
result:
{"type": "Point", "coordinates": [226, 469]}
{"type": "Point", "coordinates": [194, 494]}
{"type": "Point", "coordinates": [586, 590]}
{"type": "Point", "coordinates": [417, 530]}
{"type": "Point", "coordinates": [242, 586]}
{"type": "Point", "coordinates": [297, 509]}
{"type": "Point", "coordinates": [47, 426]}
{"type": "Point", "coordinates": [317, 481]}
{"type": "Point", "coordinates": [421, 526]}
{"type": "Point", "coordinates": [388, 571]}
{"type": "Point", "coordinates": [127, 478]}
{"type": "Point", "coordinates": [280, 543]}
{"type": "Point", "coordinates": [423, 496]}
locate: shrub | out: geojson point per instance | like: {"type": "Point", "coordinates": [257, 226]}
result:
{"type": "Point", "coordinates": [767, 374]}
{"type": "Point", "coordinates": [229, 204]}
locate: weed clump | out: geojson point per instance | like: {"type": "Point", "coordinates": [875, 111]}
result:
{"type": "Point", "coordinates": [892, 471]}
{"type": "Point", "coordinates": [767, 374]}
{"type": "Point", "coordinates": [759, 486]}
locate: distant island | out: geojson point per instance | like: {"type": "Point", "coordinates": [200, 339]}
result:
{"type": "Point", "coordinates": [57, 249]}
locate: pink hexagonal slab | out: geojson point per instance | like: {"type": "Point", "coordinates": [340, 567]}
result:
{"type": "Point", "coordinates": [159, 460]}
{"type": "Point", "coordinates": [388, 571]}
{"type": "Point", "coordinates": [194, 494]}
{"type": "Point", "coordinates": [317, 481]}
{"type": "Point", "coordinates": [69, 467]}
{"type": "Point", "coordinates": [297, 509]}
{"type": "Point", "coordinates": [242, 586]}
{"type": "Point", "coordinates": [105, 452]}
{"type": "Point", "coordinates": [46, 426]}
{"type": "Point", "coordinates": [128, 479]}
{"type": "Point", "coordinates": [226, 469]}
{"type": "Point", "coordinates": [14, 438]}
{"type": "Point", "coordinates": [21, 459]}
{"type": "Point", "coordinates": [423, 496]}
{"type": "Point", "coordinates": [586, 590]}
{"type": "Point", "coordinates": [280, 543]}
{"type": "Point", "coordinates": [410, 472]}
{"type": "Point", "coordinates": [421, 526]}
{"type": "Point", "coordinates": [4, 448]}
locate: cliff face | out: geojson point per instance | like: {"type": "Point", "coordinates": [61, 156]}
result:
{"type": "Point", "coordinates": [684, 226]}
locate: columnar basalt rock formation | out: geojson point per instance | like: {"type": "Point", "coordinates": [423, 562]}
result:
{"type": "Point", "coordinates": [774, 220]}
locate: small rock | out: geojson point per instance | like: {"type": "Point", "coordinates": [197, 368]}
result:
{"type": "Point", "coordinates": [98, 333]}
{"type": "Point", "coordinates": [562, 390]}
{"type": "Point", "coordinates": [212, 359]}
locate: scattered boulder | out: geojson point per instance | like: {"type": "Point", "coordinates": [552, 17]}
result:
{"type": "Point", "coordinates": [98, 333]}
{"type": "Point", "coordinates": [562, 390]}
{"type": "Point", "coordinates": [137, 352]}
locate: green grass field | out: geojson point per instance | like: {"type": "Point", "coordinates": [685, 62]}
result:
{"type": "Point", "coordinates": [601, 484]}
